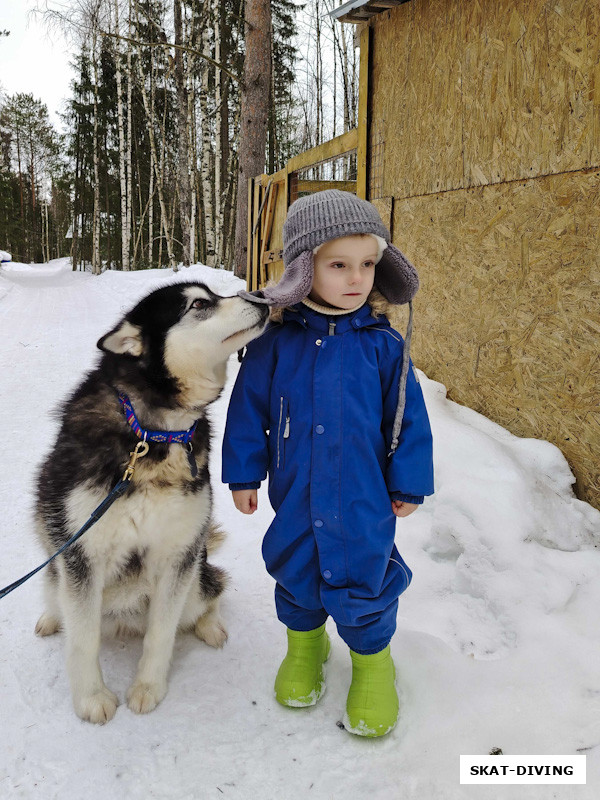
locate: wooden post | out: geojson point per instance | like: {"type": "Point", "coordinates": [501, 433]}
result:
{"type": "Point", "coordinates": [362, 161]}
{"type": "Point", "coordinates": [267, 224]}
{"type": "Point", "coordinates": [249, 251]}
{"type": "Point", "coordinates": [292, 187]}
{"type": "Point", "coordinates": [256, 234]}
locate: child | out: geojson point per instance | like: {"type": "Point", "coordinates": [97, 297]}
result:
{"type": "Point", "coordinates": [327, 404]}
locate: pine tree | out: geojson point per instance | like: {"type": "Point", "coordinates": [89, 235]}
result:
{"type": "Point", "coordinates": [30, 155]}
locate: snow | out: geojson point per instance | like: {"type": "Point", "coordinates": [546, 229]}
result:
{"type": "Point", "coordinates": [498, 641]}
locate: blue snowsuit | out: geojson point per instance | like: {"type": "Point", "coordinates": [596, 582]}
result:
{"type": "Point", "coordinates": [313, 406]}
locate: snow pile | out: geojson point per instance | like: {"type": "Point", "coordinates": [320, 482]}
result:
{"type": "Point", "coordinates": [5, 257]}
{"type": "Point", "coordinates": [498, 641]}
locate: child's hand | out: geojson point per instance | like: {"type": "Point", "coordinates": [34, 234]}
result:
{"type": "Point", "coordinates": [401, 509]}
{"type": "Point", "coordinates": [246, 500]}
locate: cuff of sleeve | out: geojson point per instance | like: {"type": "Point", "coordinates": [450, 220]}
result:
{"type": "Point", "coordinates": [237, 487]}
{"type": "Point", "coordinates": [416, 499]}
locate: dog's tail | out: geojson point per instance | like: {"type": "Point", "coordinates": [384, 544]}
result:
{"type": "Point", "coordinates": [214, 537]}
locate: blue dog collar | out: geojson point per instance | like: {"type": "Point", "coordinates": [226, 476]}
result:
{"type": "Point", "coordinates": [181, 437]}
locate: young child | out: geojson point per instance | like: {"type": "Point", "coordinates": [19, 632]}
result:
{"type": "Point", "coordinates": [327, 403]}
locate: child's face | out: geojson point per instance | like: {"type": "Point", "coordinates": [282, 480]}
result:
{"type": "Point", "coordinates": [344, 271]}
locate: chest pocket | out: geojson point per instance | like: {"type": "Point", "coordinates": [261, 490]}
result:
{"type": "Point", "coordinates": [283, 432]}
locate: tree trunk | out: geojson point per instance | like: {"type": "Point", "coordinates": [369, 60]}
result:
{"type": "Point", "coordinates": [218, 29]}
{"type": "Point", "coordinates": [226, 149]}
{"type": "Point", "coordinates": [129, 188]}
{"type": "Point", "coordinates": [151, 178]}
{"type": "Point", "coordinates": [254, 116]}
{"type": "Point", "coordinates": [207, 157]}
{"type": "Point", "coordinates": [158, 168]}
{"type": "Point", "coordinates": [20, 170]}
{"type": "Point", "coordinates": [125, 233]}
{"type": "Point", "coordinates": [318, 78]}
{"type": "Point", "coordinates": [33, 195]}
{"type": "Point", "coordinates": [183, 173]}
{"type": "Point", "coordinates": [96, 266]}
{"type": "Point", "coordinates": [191, 125]}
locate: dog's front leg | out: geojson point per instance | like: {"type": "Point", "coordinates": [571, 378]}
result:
{"type": "Point", "coordinates": [81, 600]}
{"type": "Point", "coordinates": [164, 613]}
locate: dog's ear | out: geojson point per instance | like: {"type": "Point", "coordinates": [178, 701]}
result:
{"type": "Point", "coordinates": [124, 340]}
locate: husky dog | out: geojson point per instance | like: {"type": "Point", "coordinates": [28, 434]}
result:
{"type": "Point", "coordinates": [142, 568]}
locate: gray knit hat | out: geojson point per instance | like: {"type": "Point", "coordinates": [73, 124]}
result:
{"type": "Point", "coordinates": [318, 218]}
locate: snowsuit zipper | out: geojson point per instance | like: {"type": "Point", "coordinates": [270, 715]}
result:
{"type": "Point", "coordinates": [284, 419]}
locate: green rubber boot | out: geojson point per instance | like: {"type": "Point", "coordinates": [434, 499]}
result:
{"type": "Point", "coordinates": [372, 705]}
{"type": "Point", "coordinates": [299, 682]}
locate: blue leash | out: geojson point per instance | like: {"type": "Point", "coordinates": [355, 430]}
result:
{"type": "Point", "coordinates": [140, 450]}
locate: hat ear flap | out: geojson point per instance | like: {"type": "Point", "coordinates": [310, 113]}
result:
{"type": "Point", "coordinates": [294, 286]}
{"type": "Point", "coordinates": [395, 276]}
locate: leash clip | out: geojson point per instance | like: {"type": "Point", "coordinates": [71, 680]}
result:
{"type": "Point", "coordinates": [140, 451]}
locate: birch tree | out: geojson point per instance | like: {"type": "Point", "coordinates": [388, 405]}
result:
{"type": "Point", "coordinates": [218, 12]}
{"type": "Point", "coordinates": [96, 265]}
{"type": "Point", "coordinates": [183, 173]}
{"type": "Point", "coordinates": [206, 155]}
{"type": "Point", "coordinates": [124, 152]}
{"type": "Point", "coordinates": [158, 168]}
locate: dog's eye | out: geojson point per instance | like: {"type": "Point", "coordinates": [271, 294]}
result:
{"type": "Point", "coordinates": [201, 303]}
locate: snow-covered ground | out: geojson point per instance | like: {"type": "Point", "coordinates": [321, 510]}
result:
{"type": "Point", "coordinates": [498, 641]}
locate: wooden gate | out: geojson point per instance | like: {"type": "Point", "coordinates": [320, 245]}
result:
{"type": "Point", "coordinates": [332, 165]}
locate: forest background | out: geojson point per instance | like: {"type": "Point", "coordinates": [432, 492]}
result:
{"type": "Point", "coordinates": [172, 106]}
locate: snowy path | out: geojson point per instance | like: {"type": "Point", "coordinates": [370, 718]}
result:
{"type": "Point", "coordinates": [498, 641]}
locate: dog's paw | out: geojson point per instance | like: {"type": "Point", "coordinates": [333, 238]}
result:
{"type": "Point", "coordinates": [47, 625]}
{"type": "Point", "coordinates": [144, 697]}
{"type": "Point", "coordinates": [98, 708]}
{"type": "Point", "coordinates": [211, 630]}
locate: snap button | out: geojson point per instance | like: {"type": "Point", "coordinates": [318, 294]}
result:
{"type": "Point", "coordinates": [326, 574]}
{"type": "Point", "coordinates": [320, 429]}
{"type": "Point", "coordinates": [318, 342]}
{"type": "Point", "coordinates": [318, 523]}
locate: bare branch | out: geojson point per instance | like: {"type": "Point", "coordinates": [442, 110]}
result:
{"type": "Point", "coordinates": [175, 47]}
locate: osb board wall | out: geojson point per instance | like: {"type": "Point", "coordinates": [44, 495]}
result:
{"type": "Point", "coordinates": [508, 315]}
{"type": "Point", "coordinates": [485, 91]}
{"type": "Point", "coordinates": [488, 125]}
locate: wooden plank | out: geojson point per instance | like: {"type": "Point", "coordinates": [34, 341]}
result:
{"type": "Point", "coordinates": [292, 187]}
{"type": "Point", "coordinates": [334, 147]}
{"type": "Point", "coordinates": [276, 177]}
{"type": "Point", "coordinates": [270, 214]}
{"type": "Point", "coordinates": [317, 186]}
{"type": "Point", "coordinates": [256, 238]}
{"type": "Point", "coordinates": [266, 225]}
{"type": "Point", "coordinates": [271, 256]}
{"type": "Point", "coordinates": [363, 114]}
{"type": "Point", "coordinates": [276, 270]}
{"type": "Point", "coordinates": [249, 240]}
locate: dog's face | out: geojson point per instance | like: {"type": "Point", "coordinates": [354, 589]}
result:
{"type": "Point", "coordinates": [185, 332]}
